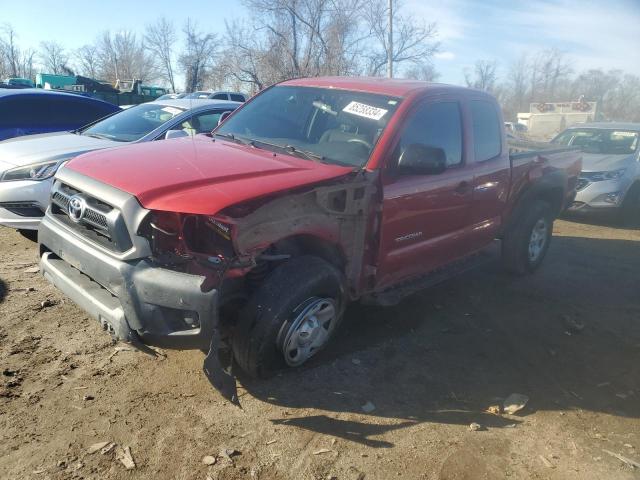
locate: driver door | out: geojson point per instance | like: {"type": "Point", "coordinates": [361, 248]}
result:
{"type": "Point", "coordinates": [425, 218]}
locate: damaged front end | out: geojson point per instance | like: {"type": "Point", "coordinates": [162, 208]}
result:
{"type": "Point", "coordinates": [236, 249]}
{"type": "Point", "coordinates": [201, 245]}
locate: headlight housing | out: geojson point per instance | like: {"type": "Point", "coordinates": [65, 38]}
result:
{"type": "Point", "coordinates": [604, 176]}
{"type": "Point", "coordinates": [35, 171]}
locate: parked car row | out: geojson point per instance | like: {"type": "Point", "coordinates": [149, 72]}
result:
{"type": "Point", "coordinates": [32, 110]}
{"type": "Point", "coordinates": [28, 163]}
{"type": "Point", "coordinates": [610, 178]}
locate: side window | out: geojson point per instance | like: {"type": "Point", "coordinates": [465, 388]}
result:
{"type": "Point", "coordinates": [208, 121]}
{"type": "Point", "coordinates": [24, 111]}
{"type": "Point", "coordinates": [435, 125]}
{"type": "Point", "coordinates": [487, 140]}
{"type": "Point", "coordinates": [220, 96]}
{"type": "Point", "coordinates": [202, 123]}
{"type": "Point", "coordinates": [237, 98]}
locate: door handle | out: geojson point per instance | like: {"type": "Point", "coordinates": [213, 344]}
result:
{"type": "Point", "coordinates": [463, 188]}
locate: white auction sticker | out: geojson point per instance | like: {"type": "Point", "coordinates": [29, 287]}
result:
{"type": "Point", "coordinates": [173, 111]}
{"type": "Point", "coordinates": [366, 111]}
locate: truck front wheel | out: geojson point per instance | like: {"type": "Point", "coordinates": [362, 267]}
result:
{"type": "Point", "coordinates": [290, 317]}
{"type": "Point", "coordinates": [526, 242]}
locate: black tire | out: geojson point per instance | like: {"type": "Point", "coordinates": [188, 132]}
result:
{"type": "Point", "coordinates": [630, 209]}
{"type": "Point", "coordinates": [516, 240]}
{"type": "Point", "coordinates": [256, 341]}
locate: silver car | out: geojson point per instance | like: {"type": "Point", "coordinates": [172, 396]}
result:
{"type": "Point", "coordinates": [610, 178]}
{"type": "Point", "coordinates": [28, 164]}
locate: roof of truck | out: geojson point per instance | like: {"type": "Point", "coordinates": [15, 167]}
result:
{"type": "Point", "coordinates": [609, 125]}
{"type": "Point", "coordinates": [386, 86]}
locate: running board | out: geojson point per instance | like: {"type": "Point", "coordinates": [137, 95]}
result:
{"type": "Point", "coordinates": [394, 295]}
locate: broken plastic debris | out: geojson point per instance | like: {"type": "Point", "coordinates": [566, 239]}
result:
{"type": "Point", "coordinates": [321, 451]}
{"type": "Point", "coordinates": [97, 446]}
{"type": "Point", "coordinates": [124, 455]}
{"type": "Point", "coordinates": [209, 460]}
{"type": "Point", "coordinates": [514, 403]}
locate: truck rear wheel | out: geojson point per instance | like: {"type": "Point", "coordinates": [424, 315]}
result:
{"type": "Point", "coordinates": [525, 243]}
{"type": "Point", "coordinates": [290, 317]}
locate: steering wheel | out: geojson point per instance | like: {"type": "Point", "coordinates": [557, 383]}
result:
{"type": "Point", "coordinates": [359, 140]}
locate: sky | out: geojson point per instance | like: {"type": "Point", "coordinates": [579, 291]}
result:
{"type": "Point", "coordinates": [604, 34]}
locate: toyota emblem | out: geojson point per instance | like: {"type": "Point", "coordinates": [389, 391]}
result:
{"type": "Point", "coordinates": [76, 208]}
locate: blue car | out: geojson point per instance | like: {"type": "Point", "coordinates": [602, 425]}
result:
{"type": "Point", "coordinates": [33, 110]}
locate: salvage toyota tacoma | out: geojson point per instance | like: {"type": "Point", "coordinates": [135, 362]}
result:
{"type": "Point", "coordinates": [249, 242]}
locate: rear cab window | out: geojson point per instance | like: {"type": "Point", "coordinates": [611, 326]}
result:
{"type": "Point", "coordinates": [487, 135]}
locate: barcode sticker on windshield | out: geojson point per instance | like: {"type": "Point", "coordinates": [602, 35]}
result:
{"type": "Point", "coordinates": [366, 111]}
{"type": "Point", "coordinates": [173, 111]}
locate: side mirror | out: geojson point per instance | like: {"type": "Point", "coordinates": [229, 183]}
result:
{"type": "Point", "coordinates": [223, 117]}
{"type": "Point", "coordinates": [175, 134]}
{"type": "Point", "coordinates": [419, 159]}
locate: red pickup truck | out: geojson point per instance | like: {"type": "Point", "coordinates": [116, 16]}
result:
{"type": "Point", "coordinates": [249, 242]}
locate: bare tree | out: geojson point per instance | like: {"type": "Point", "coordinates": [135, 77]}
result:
{"type": "Point", "coordinates": [54, 57]}
{"type": "Point", "coordinates": [413, 40]}
{"type": "Point", "coordinates": [87, 60]}
{"type": "Point", "coordinates": [516, 87]}
{"type": "Point", "coordinates": [483, 76]}
{"type": "Point", "coordinates": [199, 55]}
{"type": "Point", "coordinates": [122, 56]}
{"type": "Point", "coordinates": [10, 50]}
{"type": "Point", "coordinates": [160, 38]}
{"type": "Point", "coordinates": [622, 101]}
{"type": "Point", "coordinates": [424, 71]}
{"type": "Point", "coordinates": [553, 68]}
{"type": "Point", "coordinates": [27, 64]}
{"type": "Point", "coordinates": [293, 38]}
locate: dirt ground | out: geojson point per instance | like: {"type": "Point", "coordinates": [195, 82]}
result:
{"type": "Point", "coordinates": [568, 337]}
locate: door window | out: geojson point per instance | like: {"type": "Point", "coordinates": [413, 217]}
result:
{"type": "Point", "coordinates": [436, 125]}
{"type": "Point", "coordinates": [220, 96]}
{"type": "Point", "coordinates": [201, 123]}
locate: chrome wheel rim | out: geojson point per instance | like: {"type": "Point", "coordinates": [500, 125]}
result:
{"type": "Point", "coordinates": [310, 330]}
{"type": "Point", "coordinates": [538, 239]}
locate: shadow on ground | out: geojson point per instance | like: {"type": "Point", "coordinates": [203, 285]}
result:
{"type": "Point", "coordinates": [607, 219]}
{"type": "Point", "coordinates": [568, 337]}
{"type": "Point", "coordinates": [3, 290]}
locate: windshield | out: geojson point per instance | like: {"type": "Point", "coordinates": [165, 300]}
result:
{"type": "Point", "coordinates": [597, 140]}
{"type": "Point", "coordinates": [335, 126]}
{"type": "Point", "coordinates": [133, 123]}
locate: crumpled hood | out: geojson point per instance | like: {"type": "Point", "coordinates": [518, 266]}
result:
{"type": "Point", "coordinates": [29, 149]}
{"type": "Point", "coordinates": [198, 175]}
{"type": "Point", "coordinates": [597, 162]}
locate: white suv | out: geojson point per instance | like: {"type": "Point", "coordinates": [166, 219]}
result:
{"type": "Point", "coordinates": [218, 95]}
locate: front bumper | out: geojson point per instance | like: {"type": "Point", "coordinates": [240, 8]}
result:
{"type": "Point", "coordinates": [132, 299]}
{"type": "Point", "coordinates": [23, 203]}
{"type": "Point", "coordinates": [600, 196]}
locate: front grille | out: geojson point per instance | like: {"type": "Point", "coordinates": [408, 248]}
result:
{"type": "Point", "coordinates": [582, 184]}
{"type": "Point", "coordinates": [23, 209]}
{"type": "Point", "coordinates": [99, 221]}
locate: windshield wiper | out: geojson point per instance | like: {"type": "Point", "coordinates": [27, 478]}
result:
{"type": "Point", "coordinates": [233, 138]}
{"type": "Point", "coordinates": [103, 136]}
{"type": "Point", "coordinates": [290, 149]}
